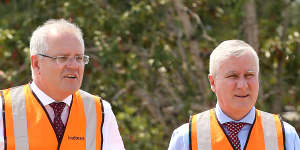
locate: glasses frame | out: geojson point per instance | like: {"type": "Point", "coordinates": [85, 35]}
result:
{"type": "Point", "coordinates": [85, 58]}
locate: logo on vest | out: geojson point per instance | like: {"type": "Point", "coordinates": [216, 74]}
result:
{"type": "Point", "coordinates": [75, 138]}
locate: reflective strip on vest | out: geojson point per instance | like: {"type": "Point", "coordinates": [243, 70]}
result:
{"type": "Point", "coordinates": [272, 131]}
{"type": "Point", "coordinates": [19, 118]}
{"type": "Point", "coordinates": [204, 142]}
{"type": "Point", "coordinates": [202, 130]}
{"type": "Point", "coordinates": [91, 119]}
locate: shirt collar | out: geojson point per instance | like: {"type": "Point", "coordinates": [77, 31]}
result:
{"type": "Point", "coordinates": [223, 118]}
{"type": "Point", "coordinates": [44, 98]}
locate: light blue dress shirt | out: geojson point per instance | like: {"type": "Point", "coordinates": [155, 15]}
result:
{"type": "Point", "coordinates": [180, 136]}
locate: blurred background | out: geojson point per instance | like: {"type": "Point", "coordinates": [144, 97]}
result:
{"type": "Point", "coordinates": [150, 57]}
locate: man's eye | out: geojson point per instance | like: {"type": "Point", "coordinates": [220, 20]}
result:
{"type": "Point", "coordinates": [62, 58]}
{"type": "Point", "coordinates": [79, 58]}
{"type": "Point", "coordinates": [232, 76]}
{"type": "Point", "coordinates": [249, 75]}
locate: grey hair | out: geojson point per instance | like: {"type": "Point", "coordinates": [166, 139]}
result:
{"type": "Point", "coordinates": [38, 44]}
{"type": "Point", "coordinates": [227, 49]}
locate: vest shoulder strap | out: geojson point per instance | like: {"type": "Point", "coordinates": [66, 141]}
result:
{"type": "Point", "coordinates": [93, 108]}
{"type": "Point", "coordinates": [15, 109]}
{"type": "Point", "coordinates": [200, 137]}
{"type": "Point", "coordinates": [273, 131]}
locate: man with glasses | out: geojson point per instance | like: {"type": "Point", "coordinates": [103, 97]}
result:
{"type": "Point", "coordinates": [52, 112]}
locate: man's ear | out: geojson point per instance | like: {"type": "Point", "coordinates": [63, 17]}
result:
{"type": "Point", "coordinates": [212, 81]}
{"type": "Point", "coordinates": [35, 63]}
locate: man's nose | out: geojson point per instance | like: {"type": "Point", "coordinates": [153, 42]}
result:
{"type": "Point", "coordinates": [72, 62]}
{"type": "Point", "coordinates": [242, 83]}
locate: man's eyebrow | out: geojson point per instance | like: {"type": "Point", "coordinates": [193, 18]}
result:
{"type": "Point", "coordinates": [250, 71]}
{"type": "Point", "coordinates": [234, 72]}
{"type": "Point", "coordinates": [230, 72]}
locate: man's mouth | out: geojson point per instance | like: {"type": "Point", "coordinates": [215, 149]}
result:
{"type": "Point", "coordinates": [70, 76]}
{"type": "Point", "coordinates": [241, 96]}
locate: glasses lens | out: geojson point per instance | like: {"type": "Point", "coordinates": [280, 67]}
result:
{"type": "Point", "coordinates": [79, 59]}
{"type": "Point", "coordinates": [61, 59]}
{"type": "Point", "coordinates": [82, 59]}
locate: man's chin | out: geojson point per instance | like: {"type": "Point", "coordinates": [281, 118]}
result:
{"type": "Point", "coordinates": [70, 89]}
{"type": "Point", "coordinates": [241, 108]}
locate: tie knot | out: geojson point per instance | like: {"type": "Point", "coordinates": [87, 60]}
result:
{"type": "Point", "coordinates": [58, 107]}
{"type": "Point", "coordinates": [234, 127]}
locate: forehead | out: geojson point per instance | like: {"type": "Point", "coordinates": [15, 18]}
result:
{"type": "Point", "coordinates": [63, 43]}
{"type": "Point", "coordinates": [245, 62]}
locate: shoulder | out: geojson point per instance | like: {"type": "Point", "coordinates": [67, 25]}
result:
{"type": "Point", "coordinates": [181, 131]}
{"type": "Point", "coordinates": [289, 130]}
{"type": "Point", "coordinates": [13, 88]}
{"type": "Point", "coordinates": [292, 140]}
{"type": "Point", "coordinates": [180, 138]}
{"type": "Point", "coordinates": [106, 105]}
{"type": "Point", "coordinates": [203, 114]}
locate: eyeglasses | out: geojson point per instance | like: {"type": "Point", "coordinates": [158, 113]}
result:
{"type": "Point", "coordinates": [81, 59]}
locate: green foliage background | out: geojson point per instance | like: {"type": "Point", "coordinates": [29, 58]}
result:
{"type": "Point", "coordinates": [150, 57]}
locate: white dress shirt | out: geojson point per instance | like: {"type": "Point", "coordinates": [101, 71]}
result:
{"type": "Point", "coordinates": [180, 136]}
{"type": "Point", "coordinates": [111, 136]}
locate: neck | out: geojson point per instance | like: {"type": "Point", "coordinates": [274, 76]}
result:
{"type": "Point", "coordinates": [54, 94]}
{"type": "Point", "coordinates": [236, 117]}
{"type": "Point", "coordinates": [236, 114]}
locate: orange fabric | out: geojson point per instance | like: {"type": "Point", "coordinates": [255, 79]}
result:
{"type": "Point", "coordinates": [279, 132]}
{"type": "Point", "coordinates": [99, 122]}
{"type": "Point", "coordinates": [38, 124]}
{"type": "Point", "coordinates": [10, 140]}
{"type": "Point", "coordinates": [218, 137]}
{"type": "Point", "coordinates": [41, 134]}
{"type": "Point", "coordinates": [256, 139]}
{"type": "Point", "coordinates": [194, 133]}
{"type": "Point", "coordinates": [220, 141]}
{"type": "Point", "coordinates": [76, 126]}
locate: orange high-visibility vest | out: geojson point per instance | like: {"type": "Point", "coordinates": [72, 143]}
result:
{"type": "Point", "coordinates": [28, 126]}
{"type": "Point", "coordinates": [205, 133]}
